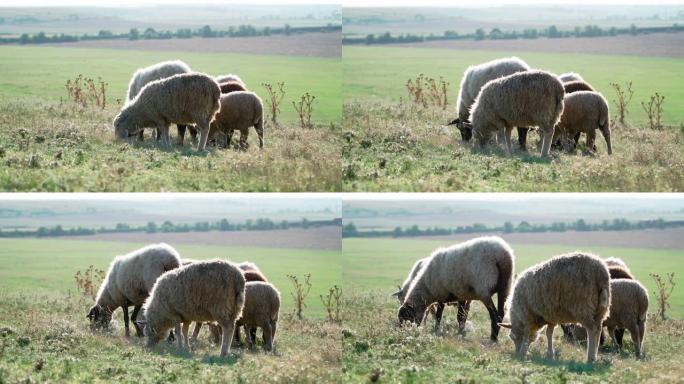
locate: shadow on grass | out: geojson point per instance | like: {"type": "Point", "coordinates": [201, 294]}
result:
{"type": "Point", "coordinates": [599, 367]}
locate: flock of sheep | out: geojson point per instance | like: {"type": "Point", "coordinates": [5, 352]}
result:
{"type": "Point", "coordinates": [501, 94]}
{"type": "Point", "coordinates": [578, 291]}
{"type": "Point", "coordinates": [170, 92]}
{"type": "Point", "coordinates": [174, 292]}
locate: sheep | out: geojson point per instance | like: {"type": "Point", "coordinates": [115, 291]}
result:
{"type": "Point", "coordinates": [617, 272]}
{"type": "Point", "coordinates": [262, 303]}
{"type": "Point", "coordinates": [239, 111]}
{"type": "Point", "coordinates": [232, 86]}
{"type": "Point", "coordinates": [584, 112]}
{"type": "Point", "coordinates": [531, 98]}
{"type": "Point", "coordinates": [212, 290]}
{"type": "Point", "coordinates": [628, 307]}
{"type": "Point", "coordinates": [185, 98]}
{"type": "Point", "coordinates": [438, 308]}
{"type": "Point", "coordinates": [570, 87]}
{"type": "Point", "coordinates": [472, 270]}
{"type": "Point", "coordinates": [570, 76]}
{"type": "Point", "coordinates": [248, 265]}
{"type": "Point", "coordinates": [474, 78]}
{"type": "Point", "coordinates": [128, 282]}
{"type": "Point", "coordinates": [569, 288]}
{"type": "Point", "coordinates": [230, 77]}
{"type": "Point", "coordinates": [155, 72]}
{"type": "Point", "coordinates": [617, 262]}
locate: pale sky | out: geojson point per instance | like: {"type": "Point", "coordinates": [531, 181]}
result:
{"type": "Point", "coordinates": [346, 3]}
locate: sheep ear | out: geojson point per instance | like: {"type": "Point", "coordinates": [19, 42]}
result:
{"type": "Point", "coordinates": [505, 325]}
{"type": "Point", "coordinates": [395, 294]}
{"type": "Point", "coordinates": [454, 122]}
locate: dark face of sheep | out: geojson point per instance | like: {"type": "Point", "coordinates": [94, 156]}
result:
{"type": "Point", "coordinates": [124, 126]}
{"type": "Point", "coordinates": [153, 336]}
{"type": "Point", "coordinates": [99, 317]}
{"type": "Point", "coordinates": [413, 315]}
{"type": "Point", "coordinates": [399, 295]}
{"type": "Point", "coordinates": [465, 127]}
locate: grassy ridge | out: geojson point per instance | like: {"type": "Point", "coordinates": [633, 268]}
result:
{"type": "Point", "coordinates": [398, 255]}
{"type": "Point", "coordinates": [381, 73]}
{"type": "Point", "coordinates": [41, 72]}
{"type": "Point", "coordinates": [47, 267]}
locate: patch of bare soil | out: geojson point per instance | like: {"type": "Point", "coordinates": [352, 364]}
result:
{"type": "Point", "coordinates": [319, 44]}
{"type": "Point", "coordinates": [329, 238]}
{"type": "Point", "coordinates": [671, 238]}
{"type": "Point", "coordinates": [655, 44]}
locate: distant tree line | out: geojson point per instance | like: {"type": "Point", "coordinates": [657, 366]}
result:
{"type": "Point", "coordinates": [168, 227]}
{"type": "Point", "coordinates": [497, 34]}
{"type": "Point", "coordinates": [181, 33]}
{"type": "Point", "coordinates": [350, 230]}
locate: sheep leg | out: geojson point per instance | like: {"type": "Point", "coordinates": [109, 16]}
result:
{"type": "Point", "coordinates": [186, 327]}
{"type": "Point", "coordinates": [141, 135]}
{"type": "Point", "coordinates": [549, 340]}
{"type": "Point", "coordinates": [636, 339]}
{"type": "Point", "coordinates": [547, 131]}
{"type": "Point", "coordinates": [462, 315]}
{"type": "Point", "coordinates": [196, 331]}
{"type": "Point", "coordinates": [228, 327]}
{"type": "Point", "coordinates": [244, 134]}
{"type": "Point", "coordinates": [125, 314]}
{"type": "Point", "coordinates": [204, 136]}
{"type": "Point", "coordinates": [268, 337]}
{"type": "Point", "coordinates": [236, 337]}
{"type": "Point", "coordinates": [215, 333]}
{"type": "Point", "coordinates": [494, 317]}
{"type": "Point", "coordinates": [252, 334]}
{"type": "Point", "coordinates": [507, 138]}
{"type": "Point", "coordinates": [163, 134]}
{"type": "Point", "coordinates": [248, 335]}
{"type": "Point", "coordinates": [181, 133]}
{"type": "Point", "coordinates": [642, 330]}
{"type": "Point", "coordinates": [522, 138]}
{"type": "Point", "coordinates": [179, 335]}
{"type": "Point", "coordinates": [134, 317]}
{"type": "Point", "coordinates": [619, 334]}
{"type": "Point", "coordinates": [577, 137]}
{"type": "Point", "coordinates": [593, 335]}
{"type": "Point", "coordinates": [439, 310]}
{"type": "Point", "coordinates": [259, 127]}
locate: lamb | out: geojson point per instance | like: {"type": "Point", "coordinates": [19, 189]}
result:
{"type": "Point", "coordinates": [531, 98]}
{"type": "Point", "coordinates": [570, 87]}
{"type": "Point", "coordinates": [628, 307]}
{"type": "Point", "coordinates": [212, 290]}
{"type": "Point", "coordinates": [262, 303]}
{"type": "Point", "coordinates": [155, 72]}
{"type": "Point", "coordinates": [438, 308]}
{"type": "Point", "coordinates": [232, 86]}
{"type": "Point", "coordinates": [570, 76]}
{"type": "Point", "coordinates": [584, 112]}
{"type": "Point", "coordinates": [569, 288]}
{"type": "Point", "coordinates": [239, 111]}
{"type": "Point", "coordinates": [186, 99]}
{"type": "Point", "coordinates": [129, 280]}
{"type": "Point", "coordinates": [473, 270]}
{"type": "Point", "coordinates": [474, 78]}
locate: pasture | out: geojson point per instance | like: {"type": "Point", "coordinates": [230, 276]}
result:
{"type": "Point", "coordinates": [374, 348]}
{"type": "Point", "coordinates": [45, 335]}
{"type": "Point", "coordinates": [50, 144]}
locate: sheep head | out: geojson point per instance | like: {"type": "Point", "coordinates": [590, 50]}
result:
{"type": "Point", "coordinates": [99, 316]}
{"type": "Point", "coordinates": [465, 127]}
{"type": "Point", "coordinates": [407, 312]}
{"type": "Point", "coordinates": [124, 126]}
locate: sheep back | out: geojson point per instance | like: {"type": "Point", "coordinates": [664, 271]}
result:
{"type": "Point", "coordinates": [232, 86]}
{"type": "Point", "coordinates": [577, 85]}
{"type": "Point", "coordinates": [476, 76]}
{"type": "Point", "coordinates": [154, 72]}
{"type": "Point", "coordinates": [230, 77]}
{"type": "Point", "coordinates": [570, 76]}
{"type": "Point", "coordinates": [531, 98]}
{"type": "Point", "coordinates": [618, 272]}
{"type": "Point", "coordinates": [252, 275]}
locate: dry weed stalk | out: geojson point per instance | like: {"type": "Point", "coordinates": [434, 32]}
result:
{"type": "Point", "coordinates": [275, 97]}
{"type": "Point", "coordinates": [301, 291]}
{"type": "Point", "coordinates": [304, 109]}
{"type": "Point", "coordinates": [664, 291]}
{"type": "Point", "coordinates": [624, 96]}
{"type": "Point", "coordinates": [654, 110]}
{"type": "Point", "coordinates": [331, 302]}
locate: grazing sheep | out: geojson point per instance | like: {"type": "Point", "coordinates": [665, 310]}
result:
{"type": "Point", "coordinates": [186, 98]}
{"type": "Point", "coordinates": [239, 111]}
{"type": "Point", "coordinates": [570, 76]}
{"type": "Point", "coordinates": [232, 86]}
{"type": "Point", "coordinates": [129, 280]}
{"type": "Point", "coordinates": [262, 303]}
{"type": "Point", "coordinates": [438, 308]}
{"type": "Point", "coordinates": [156, 72]}
{"type": "Point", "coordinates": [531, 98]}
{"type": "Point", "coordinates": [584, 111]}
{"type": "Point", "coordinates": [568, 288]}
{"type": "Point", "coordinates": [473, 270]}
{"type": "Point", "coordinates": [474, 78]}
{"type": "Point", "coordinates": [230, 77]}
{"type": "Point", "coordinates": [628, 307]}
{"type": "Point", "coordinates": [570, 87]}
{"type": "Point", "coordinates": [212, 290]}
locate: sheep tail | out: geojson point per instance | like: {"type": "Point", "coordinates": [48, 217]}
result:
{"type": "Point", "coordinates": [503, 284]}
{"type": "Point", "coordinates": [604, 299]}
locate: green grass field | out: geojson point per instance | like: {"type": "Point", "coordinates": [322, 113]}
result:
{"type": "Point", "coordinates": [41, 73]}
{"type": "Point", "coordinates": [44, 335]}
{"type": "Point", "coordinates": [376, 349]}
{"type": "Point", "coordinates": [382, 72]}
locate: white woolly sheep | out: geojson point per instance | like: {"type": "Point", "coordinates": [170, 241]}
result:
{"type": "Point", "coordinates": [474, 78]}
{"type": "Point", "coordinates": [584, 111]}
{"type": "Point", "coordinates": [570, 288]}
{"type": "Point", "coordinates": [183, 99]}
{"type": "Point", "coordinates": [212, 290]}
{"type": "Point", "coordinates": [156, 72]}
{"type": "Point", "coordinates": [570, 76]}
{"type": "Point", "coordinates": [129, 280]}
{"type": "Point", "coordinates": [472, 270]}
{"type": "Point", "coordinates": [438, 308]}
{"type": "Point", "coordinates": [239, 111]}
{"type": "Point", "coordinates": [262, 304]}
{"type": "Point", "coordinates": [531, 98]}
{"type": "Point", "coordinates": [628, 307]}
